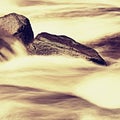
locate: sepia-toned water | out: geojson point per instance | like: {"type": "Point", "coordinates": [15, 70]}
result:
{"type": "Point", "coordinates": [62, 87]}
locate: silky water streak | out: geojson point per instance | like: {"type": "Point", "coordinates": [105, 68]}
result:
{"type": "Point", "coordinates": [10, 47]}
{"type": "Point", "coordinates": [58, 87]}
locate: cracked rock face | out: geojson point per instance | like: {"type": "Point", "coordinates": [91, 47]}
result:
{"type": "Point", "coordinates": [18, 26]}
{"type": "Point", "coordinates": [49, 44]}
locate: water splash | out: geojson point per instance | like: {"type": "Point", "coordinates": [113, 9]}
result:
{"type": "Point", "coordinates": [10, 47]}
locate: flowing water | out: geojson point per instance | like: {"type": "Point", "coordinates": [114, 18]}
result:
{"type": "Point", "coordinates": [62, 87]}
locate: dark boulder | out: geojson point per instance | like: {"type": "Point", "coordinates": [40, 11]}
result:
{"type": "Point", "coordinates": [18, 26]}
{"type": "Point", "coordinates": [49, 44]}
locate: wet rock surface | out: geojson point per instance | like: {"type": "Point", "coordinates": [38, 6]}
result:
{"type": "Point", "coordinates": [44, 43]}
{"type": "Point", "coordinates": [50, 44]}
{"type": "Point", "coordinates": [18, 26]}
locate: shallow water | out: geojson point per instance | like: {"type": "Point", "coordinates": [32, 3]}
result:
{"type": "Point", "coordinates": [62, 87]}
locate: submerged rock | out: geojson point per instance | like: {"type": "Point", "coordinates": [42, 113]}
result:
{"type": "Point", "coordinates": [49, 44]}
{"type": "Point", "coordinates": [18, 26]}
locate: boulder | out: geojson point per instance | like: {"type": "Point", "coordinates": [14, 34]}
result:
{"type": "Point", "coordinates": [18, 26]}
{"type": "Point", "coordinates": [50, 44]}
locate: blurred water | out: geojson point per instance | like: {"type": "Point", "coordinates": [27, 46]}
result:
{"type": "Point", "coordinates": [61, 87]}
{"type": "Point", "coordinates": [81, 20]}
